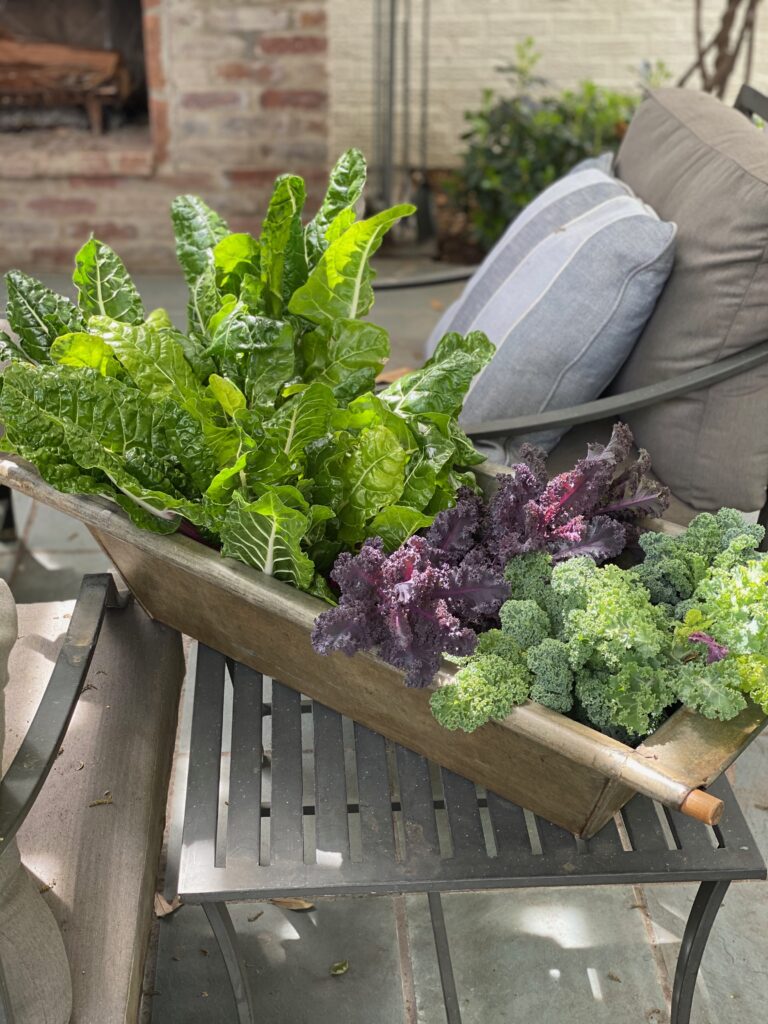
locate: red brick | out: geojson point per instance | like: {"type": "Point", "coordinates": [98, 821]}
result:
{"type": "Point", "coordinates": [266, 178]}
{"type": "Point", "coordinates": [294, 44]}
{"type": "Point", "coordinates": [305, 99]}
{"type": "Point", "coordinates": [159, 127]}
{"type": "Point", "coordinates": [209, 100]}
{"type": "Point", "coordinates": [153, 58]}
{"type": "Point", "coordinates": [311, 19]}
{"type": "Point", "coordinates": [106, 231]}
{"type": "Point", "coordinates": [6, 204]}
{"type": "Point", "coordinates": [53, 204]}
{"type": "Point", "coordinates": [50, 257]}
{"type": "Point", "coordinates": [241, 71]}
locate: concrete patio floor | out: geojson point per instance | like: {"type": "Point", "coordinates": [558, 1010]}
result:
{"type": "Point", "coordinates": [544, 956]}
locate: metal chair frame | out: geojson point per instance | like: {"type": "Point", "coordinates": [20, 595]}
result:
{"type": "Point", "coordinates": [39, 749]}
{"type": "Point", "coordinates": [386, 822]}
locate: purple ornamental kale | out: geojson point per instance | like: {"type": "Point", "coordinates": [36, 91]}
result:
{"type": "Point", "coordinates": [587, 510]}
{"type": "Point", "coordinates": [412, 606]}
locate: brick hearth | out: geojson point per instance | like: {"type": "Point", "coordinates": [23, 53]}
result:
{"type": "Point", "coordinates": [237, 95]}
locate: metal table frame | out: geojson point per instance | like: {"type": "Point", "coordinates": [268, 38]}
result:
{"type": "Point", "coordinates": [364, 815]}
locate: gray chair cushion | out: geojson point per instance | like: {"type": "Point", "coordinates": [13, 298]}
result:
{"type": "Point", "coordinates": [563, 296]}
{"type": "Point", "coordinates": [705, 166]}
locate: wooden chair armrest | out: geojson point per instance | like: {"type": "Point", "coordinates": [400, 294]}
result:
{"type": "Point", "coordinates": [617, 405]}
{"type": "Point", "coordinates": [40, 747]}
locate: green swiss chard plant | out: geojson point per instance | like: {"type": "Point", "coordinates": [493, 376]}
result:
{"type": "Point", "coordinates": [260, 424]}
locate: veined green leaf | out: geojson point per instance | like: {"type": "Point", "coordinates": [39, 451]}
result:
{"type": "Point", "coordinates": [227, 394]}
{"type": "Point", "coordinates": [396, 524]}
{"type": "Point", "coordinates": [205, 302]}
{"type": "Point", "coordinates": [85, 350]}
{"type": "Point", "coordinates": [38, 316]}
{"type": "Point", "coordinates": [340, 285]}
{"type": "Point", "coordinates": [475, 345]}
{"type": "Point", "coordinates": [441, 384]}
{"type": "Point", "coordinates": [301, 420]}
{"type": "Point", "coordinates": [345, 186]}
{"type": "Point", "coordinates": [155, 362]}
{"type": "Point", "coordinates": [420, 482]}
{"type": "Point", "coordinates": [346, 355]}
{"type": "Point", "coordinates": [283, 261]}
{"type": "Point", "coordinates": [198, 229]}
{"type": "Point", "coordinates": [152, 452]}
{"type": "Point", "coordinates": [339, 225]}
{"type": "Point", "coordinates": [160, 318]}
{"type": "Point", "coordinates": [234, 257]}
{"type": "Point", "coordinates": [104, 287]}
{"type": "Point", "coordinates": [267, 534]}
{"type": "Point", "coordinates": [256, 353]}
{"type": "Point", "coordinates": [368, 411]}
{"type": "Point", "coordinates": [373, 477]}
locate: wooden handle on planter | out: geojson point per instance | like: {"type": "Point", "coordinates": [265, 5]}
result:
{"type": "Point", "coordinates": [703, 807]}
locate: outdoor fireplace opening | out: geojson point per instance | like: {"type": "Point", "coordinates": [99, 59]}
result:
{"type": "Point", "coordinates": [72, 67]}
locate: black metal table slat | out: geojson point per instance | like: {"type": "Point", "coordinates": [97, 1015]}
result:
{"type": "Point", "coordinates": [416, 799]}
{"type": "Point", "coordinates": [286, 808]}
{"type": "Point", "coordinates": [244, 817]}
{"type": "Point", "coordinates": [509, 828]}
{"type": "Point", "coordinates": [555, 840]}
{"type": "Point", "coordinates": [376, 823]}
{"type": "Point", "coordinates": [463, 815]}
{"type": "Point", "coordinates": [607, 842]}
{"type": "Point", "coordinates": [201, 809]}
{"type": "Point", "coordinates": [643, 825]}
{"type": "Point", "coordinates": [331, 819]}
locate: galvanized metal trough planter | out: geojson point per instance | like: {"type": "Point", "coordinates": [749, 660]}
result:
{"type": "Point", "coordinates": [558, 768]}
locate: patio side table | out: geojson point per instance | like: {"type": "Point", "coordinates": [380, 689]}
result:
{"type": "Point", "coordinates": [363, 815]}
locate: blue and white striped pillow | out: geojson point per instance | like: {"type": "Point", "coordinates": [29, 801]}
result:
{"type": "Point", "coordinates": [564, 296]}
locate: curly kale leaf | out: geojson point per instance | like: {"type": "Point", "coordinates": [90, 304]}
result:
{"type": "Point", "coordinates": [485, 690]}
{"type": "Point", "coordinates": [550, 667]}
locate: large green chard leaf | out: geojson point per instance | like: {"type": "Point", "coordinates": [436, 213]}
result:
{"type": "Point", "coordinates": [302, 419]}
{"type": "Point", "coordinates": [256, 353]}
{"type": "Point", "coordinates": [396, 524]}
{"type": "Point", "coordinates": [475, 345]}
{"type": "Point", "coordinates": [194, 349]}
{"type": "Point", "coordinates": [346, 355]}
{"type": "Point", "coordinates": [373, 477]}
{"type": "Point", "coordinates": [235, 257]}
{"type": "Point", "coordinates": [441, 384]}
{"type": "Point", "coordinates": [267, 534]}
{"type": "Point", "coordinates": [369, 411]}
{"type": "Point", "coordinates": [345, 187]}
{"type": "Point", "coordinates": [283, 261]}
{"type": "Point", "coordinates": [87, 351]}
{"type": "Point", "coordinates": [150, 451]}
{"type": "Point", "coordinates": [104, 287]}
{"type": "Point", "coordinates": [155, 362]}
{"type": "Point", "coordinates": [198, 229]}
{"type": "Point", "coordinates": [339, 287]}
{"type": "Point", "coordinates": [38, 315]}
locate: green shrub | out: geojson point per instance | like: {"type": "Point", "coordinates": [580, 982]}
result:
{"type": "Point", "coordinates": [519, 144]}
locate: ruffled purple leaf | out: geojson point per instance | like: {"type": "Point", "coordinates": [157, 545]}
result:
{"type": "Point", "coordinates": [603, 538]}
{"type": "Point", "coordinates": [715, 650]}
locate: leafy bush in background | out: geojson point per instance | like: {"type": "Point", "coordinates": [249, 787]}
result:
{"type": "Point", "coordinates": [519, 144]}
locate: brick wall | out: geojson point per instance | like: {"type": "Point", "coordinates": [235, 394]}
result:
{"type": "Point", "coordinates": [238, 94]}
{"type": "Point", "coordinates": [605, 40]}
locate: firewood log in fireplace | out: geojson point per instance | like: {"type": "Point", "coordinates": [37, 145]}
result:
{"type": "Point", "coordinates": [56, 75]}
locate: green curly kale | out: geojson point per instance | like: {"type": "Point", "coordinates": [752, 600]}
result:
{"type": "Point", "coordinates": [486, 689]}
{"type": "Point", "coordinates": [550, 667]}
{"type": "Point", "coordinates": [619, 647]}
{"type": "Point", "coordinates": [674, 566]}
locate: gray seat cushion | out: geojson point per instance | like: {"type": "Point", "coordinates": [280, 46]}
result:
{"type": "Point", "coordinates": [705, 166]}
{"type": "Point", "coordinates": [563, 296]}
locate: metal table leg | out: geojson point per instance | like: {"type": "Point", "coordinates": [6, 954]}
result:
{"type": "Point", "coordinates": [224, 931]}
{"type": "Point", "coordinates": [447, 980]}
{"type": "Point", "coordinates": [700, 920]}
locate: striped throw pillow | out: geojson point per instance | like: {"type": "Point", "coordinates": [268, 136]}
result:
{"type": "Point", "coordinates": [563, 296]}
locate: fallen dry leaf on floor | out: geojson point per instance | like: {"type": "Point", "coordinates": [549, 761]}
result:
{"type": "Point", "coordinates": [106, 799]}
{"type": "Point", "coordinates": [48, 886]}
{"type": "Point", "coordinates": [256, 916]}
{"type": "Point", "coordinates": [80, 766]}
{"type": "Point", "coordinates": [163, 908]}
{"type": "Point", "coordinates": [437, 305]}
{"type": "Point", "coordinates": [340, 967]}
{"type": "Point", "coordinates": [614, 977]}
{"type": "Point", "coordinates": [292, 903]}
